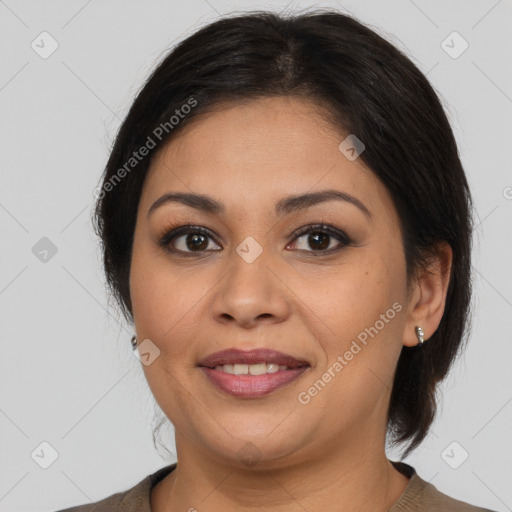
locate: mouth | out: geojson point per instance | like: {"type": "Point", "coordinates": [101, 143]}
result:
{"type": "Point", "coordinates": [252, 369]}
{"type": "Point", "coordinates": [251, 374]}
{"type": "Point", "coordinates": [238, 359]}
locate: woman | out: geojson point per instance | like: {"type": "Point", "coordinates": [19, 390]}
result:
{"type": "Point", "coordinates": [286, 222]}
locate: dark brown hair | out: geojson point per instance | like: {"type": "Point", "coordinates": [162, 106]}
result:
{"type": "Point", "coordinates": [370, 89]}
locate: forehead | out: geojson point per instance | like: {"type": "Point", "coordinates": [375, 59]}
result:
{"type": "Point", "coordinates": [261, 150]}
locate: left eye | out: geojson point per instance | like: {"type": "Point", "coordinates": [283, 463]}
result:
{"type": "Point", "coordinates": [319, 237]}
{"type": "Point", "coordinates": [196, 239]}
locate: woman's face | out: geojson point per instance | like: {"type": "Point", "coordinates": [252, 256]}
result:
{"type": "Point", "coordinates": [251, 282]}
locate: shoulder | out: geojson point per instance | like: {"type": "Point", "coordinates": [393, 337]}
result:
{"type": "Point", "coordinates": [432, 499]}
{"type": "Point", "coordinates": [422, 496]}
{"type": "Point", "coordinates": [134, 499]}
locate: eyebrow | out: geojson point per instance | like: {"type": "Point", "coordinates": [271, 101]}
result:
{"type": "Point", "coordinates": [285, 206]}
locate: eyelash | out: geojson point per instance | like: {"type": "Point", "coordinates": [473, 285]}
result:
{"type": "Point", "coordinates": [170, 234]}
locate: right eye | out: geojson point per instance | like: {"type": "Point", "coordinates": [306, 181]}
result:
{"type": "Point", "coordinates": [193, 239]}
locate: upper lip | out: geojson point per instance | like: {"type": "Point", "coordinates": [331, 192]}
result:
{"type": "Point", "coordinates": [263, 355]}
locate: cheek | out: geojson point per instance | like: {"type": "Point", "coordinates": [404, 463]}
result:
{"type": "Point", "coordinates": [159, 295]}
{"type": "Point", "coordinates": [163, 304]}
{"type": "Point", "coordinates": [168, 305]}
{"type": "Point", "coordinates": [358, 293]}
{"type": "Point", "coordinates": [365, 320]}
{"type": "Point", "coordinates": [163, 308]}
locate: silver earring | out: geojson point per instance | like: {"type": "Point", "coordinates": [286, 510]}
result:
{"type": "Point", "coordinates": [419, 334]}
{"type": "Point", "coordinates": [134, 342]}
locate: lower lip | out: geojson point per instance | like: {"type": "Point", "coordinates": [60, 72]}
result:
{"type": "Point", "coordinates": [252, 386]}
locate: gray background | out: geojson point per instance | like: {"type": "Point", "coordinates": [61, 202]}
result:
{"type": "Point", "coordinates": [67, 374]}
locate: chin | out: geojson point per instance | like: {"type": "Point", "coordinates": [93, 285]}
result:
{"type": "Point", "coordinates": [249, 445]}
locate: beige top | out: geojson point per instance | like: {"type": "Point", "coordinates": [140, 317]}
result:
{"type": "Point", "coordinates": [418, 496]}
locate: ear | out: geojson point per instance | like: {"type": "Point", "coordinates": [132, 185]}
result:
{"type": "Point", "coordinates": [428, 296]}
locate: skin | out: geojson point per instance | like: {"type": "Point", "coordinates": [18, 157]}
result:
{"type": "Point", "coordinates": [329, 453]}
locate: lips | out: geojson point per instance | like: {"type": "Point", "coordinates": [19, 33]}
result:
{"type": "Point", "coordinates": [225, 370]}
{"type": "Point", "coordinates": [236, 356]}
{"type": "Point", "coordinates": [251, 386]}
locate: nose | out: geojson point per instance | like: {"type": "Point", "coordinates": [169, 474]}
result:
{"type": "Point", "coordinates": [251, 293]}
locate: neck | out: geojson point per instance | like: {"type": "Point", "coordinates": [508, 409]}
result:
{"type": "Point", "coordinates": [352, 477]}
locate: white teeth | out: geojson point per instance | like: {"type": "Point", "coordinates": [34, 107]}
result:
{"type": "Point", "coordinates": [228, 368]}
{"type": "Point", "coordinates": [251, 369]}
{"type": "Point", "coordinates": [258, 369]}
{"type": "Point", "coordinates": [240, 369]}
